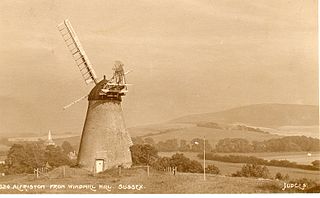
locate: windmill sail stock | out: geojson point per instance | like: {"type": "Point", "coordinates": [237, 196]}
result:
{"type": "Point", "coordinates": [78, 53]}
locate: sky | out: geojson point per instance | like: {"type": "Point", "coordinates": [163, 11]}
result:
{"type": "Point", "coordinates": [187, 56]}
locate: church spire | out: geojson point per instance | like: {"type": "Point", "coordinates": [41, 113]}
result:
{"type": "Point", "coordinates": [49, 140]}
{"type": "Point", "coordinates": [49, 136]}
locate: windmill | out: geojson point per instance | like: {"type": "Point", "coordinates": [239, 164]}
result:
{"type": "Point", "coordinates": [105, 141]}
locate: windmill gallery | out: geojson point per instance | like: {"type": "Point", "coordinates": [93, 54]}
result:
{"type": "Point", "coordinates": [105, 141]}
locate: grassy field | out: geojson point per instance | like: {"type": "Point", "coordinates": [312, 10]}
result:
{"type": "Point", "coordinates": [157, 182]}
{"type": "Point", "coordinates": [189, 131]}
{"type": "Point", "coordinates": [311, 131]}
{"type": "Point", "coordinates": [229, 168]}
{"type": "Point", "coordinates": [298, 157]}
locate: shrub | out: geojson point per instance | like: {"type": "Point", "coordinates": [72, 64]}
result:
{"type": "Point", "coordinates": [316, 163]}
{"type": "Point", "coordinates": [143, 154]}
{"type": "Point", "coordinates": [178, 160]}
{"type": "Point", "coordinates": [252, 170]}
{"type": "Point", "coordinates": [279, 176]}
{"type": "Point", "coordinates": [212, 169]}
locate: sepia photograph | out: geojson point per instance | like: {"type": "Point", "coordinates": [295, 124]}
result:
{"type": "Point", "coordinates": [159, 97]}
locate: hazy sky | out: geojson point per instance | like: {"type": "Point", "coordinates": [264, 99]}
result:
{"type": "Point", "coordinates": [188, 56]}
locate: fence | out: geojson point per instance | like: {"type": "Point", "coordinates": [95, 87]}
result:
{"type": "Point", "coordinates": [147, 167]}
{"type": "Point", "coordinates": [171, 170]}
{"type": "Point", "coordinates": [42, 171]}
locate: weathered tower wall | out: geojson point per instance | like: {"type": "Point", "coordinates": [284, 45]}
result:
{"type": "Point", "coordinates": [104, 136]}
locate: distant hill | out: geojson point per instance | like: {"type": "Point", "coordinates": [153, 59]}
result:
{"type": "Point", "coordinates": [274, 121]}
{"type": "Point", "coordinates": [269, 120]}
{"type": "Point", "coordinates": [166, 131]}
{"type": "Point", "coordinates": [262, 115]}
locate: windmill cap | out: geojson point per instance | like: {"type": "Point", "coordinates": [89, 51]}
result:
{"type": "Point", "coordinates": [95, 93]}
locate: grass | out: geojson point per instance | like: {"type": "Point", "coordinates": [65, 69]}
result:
{"type": "Point", "coordinates": [189, 131]}
{"type": "Point", "coordinates": [157, 182]}
{"type": "Point", "coordinates": [229, 168]}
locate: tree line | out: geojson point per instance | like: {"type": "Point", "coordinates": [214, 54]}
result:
{"type": "Point", "coordinates": [284, 144]}
{"type": "Point", "coordinates": [146, 154]}
{"type": "Point", "coordinates": [24, 157]}
{"type": "Point", "coordinates": [235, 145]}
{"type": "Point", "coordinates": [171, 145]}
{"type": "Point", "coordinates": [259, 161]}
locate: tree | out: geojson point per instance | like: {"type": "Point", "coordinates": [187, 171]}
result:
{"type": "Point", "coordinates": [229, 145]}
{"type": "Point", "coordinates": [17, 160]}
{"type": "Point", "coordinates": [184, 146]}
{"type": "Point", "coordinates": [55, 157]}
{"type": "Point", "coordinates": [24, 158]}
{"type": "Point", "coordinates": [293, 143]}
{"type": "Point", "coordinates": [168, 145]}
{"type": "Point", "coordinates": [161, 163]}
{"type": "Point", "coordinates": [197, 145]}
{"type": "Point", "coordinates": [143, 154]}
{"type": "Point", "coordinates": [316, 163]}
{"type": "Point", "coordinates": [252, 170]}
{"type": "Point", "coordinates": [35, 154]}
{"type": "Point", "coordinates": [67, 148]}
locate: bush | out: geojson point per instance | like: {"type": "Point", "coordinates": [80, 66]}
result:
{"type": "Point", "coordinates": [182, 163]}
{"type": "Point", "coordinates": [3, 169]}
{"type": "Point", "coordinates": [252, 170]}
{"type": "Point", "coordinates": [279, 176]}
{"type": "Point", "coordinates": [212, 169]}
{"type": "Point", "coordinates": [143, 154]}
{"type": "Point", "coordinates": [316, 163]}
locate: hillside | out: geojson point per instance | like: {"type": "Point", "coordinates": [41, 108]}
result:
{"type": "Point", "coordinates": [277, 119]}
{"type": "Point", "coordinates": [165, 131]}
{"type": "Point", "coordinates": [262, 115]}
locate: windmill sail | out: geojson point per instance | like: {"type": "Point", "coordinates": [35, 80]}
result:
{"type": "Point", "coordinates": [74, 102]}
{"type": "Point", "coordinates": [73, 44]}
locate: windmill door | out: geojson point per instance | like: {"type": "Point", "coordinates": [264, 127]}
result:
{"type": "Point", "coordinates": [99, 165]}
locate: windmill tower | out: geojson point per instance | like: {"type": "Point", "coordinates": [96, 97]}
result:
{"type": "Point", "coordinates": [105, 141]}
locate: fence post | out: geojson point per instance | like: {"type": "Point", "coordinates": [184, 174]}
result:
{"type": "Point", "coordinates": [119, 170]}
{"type": "Point", "coordinates": [64, 171]}
{"type": "Point", "coordinates": [148, 170]}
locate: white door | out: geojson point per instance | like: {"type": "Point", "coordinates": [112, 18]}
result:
{"type": "Point", "coordinates": [99, 165]}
